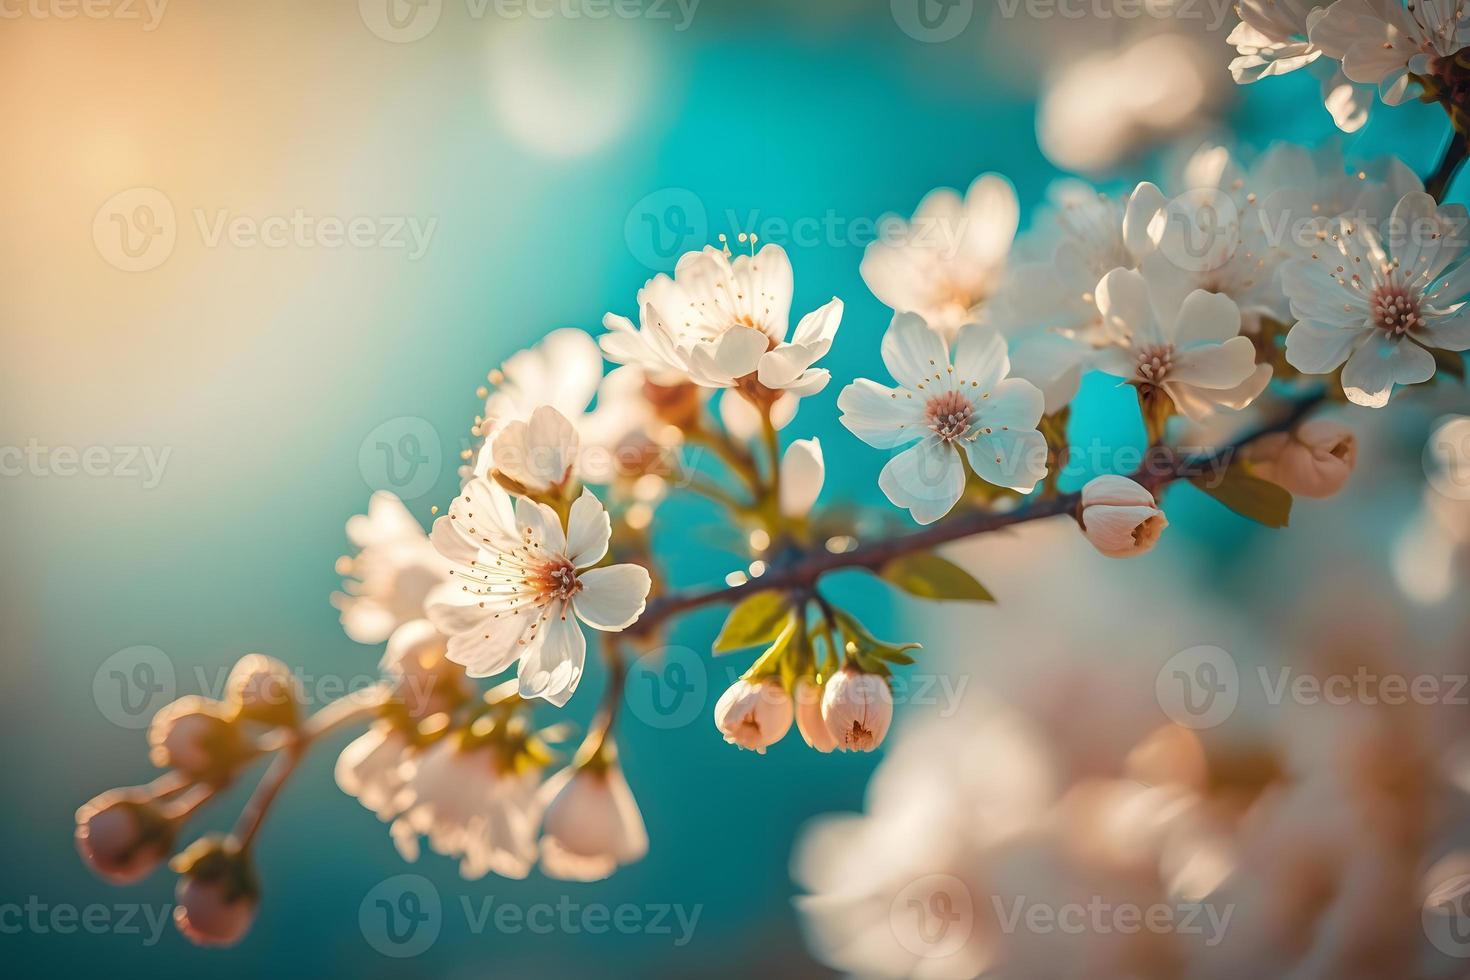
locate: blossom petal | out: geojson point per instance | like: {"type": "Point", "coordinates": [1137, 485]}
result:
{"type": "Point", "coordinates": [818, 327]}
{"type": "Point", "coordinates": [926, 480]}
{"type": "Point", "coordinates": [1122, 299]}
{"type": "Point", "coordinates": [802, 473]}
{"type": "Point", "coordinates": [539, 453]}
{"type": "Point", "coordinates": [540, 526]}
{"type": "Point", "coordinates": [1319, 348]}
{"type": "Point", "coordinates": [913, 353]}
{"type": "Point", "coordinates": [1215, 365]}
{"type": "Point", "coordinates": [552, 663]}
{"type": "Point", "coordinates": [1014, 458]}
{"type": "Point", "coordinates": [488, 646]}
{"type": "Point", "coordinates": [480, 516]}
{"type": "Point", "coordinates": [981, 358]}
{"type": "Point", "coordinates": [881, 417]}
{"type": "Point", "coordinates": [1381, 363]}
{"type": "Point", "coordinates": [588, 530]}
{"type": "Point", "coordinates": [612, 598]}
{"type": "Point", "coordinates": [1207, 318]}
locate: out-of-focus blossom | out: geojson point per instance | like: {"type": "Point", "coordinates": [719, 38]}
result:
{"type": "Point", "coordinates": [1187, 347]}
{"type": "Point", "coordinates": [968, 406]}
{"type": "Point", "coordinates": [389, 581]}
{"type": "Point", "coordinates": [591, 825]}
{"type": "Point", "coordinates": [1120, 517]}
{"type": "Point", "coordinates": [1272, 37]}
{"type": "Point", "coordinates": [1313, 460]}
{"type": "Point", "coordinates": [945, 261]}
{"type": "Point", "coordinates": [525, 582]}
{"type": "Point", "coordinates": [472, 801]}
{"type": "Point", "coordinates": [754, 715]}
{"type": "Point", "coordinates": [371, 768]}
{"type": "Point", "coordinates": [198, 737]}
{"type": "Point", "coordinates": [857, 708]}
{"type": "Point", "coordinates": [1104, 106]}
{"type": "Point", "coordinates": [424, 680]}
{"type": "Point", "coordinates": [562, 370]}
{"type": "Point", "coordinates": [262, 689]}
{"type": "Point", "coordinates": [1374, 304]}
{"type": "Point", "coordinates": [721, 322]}
{"type": "Point", "coordinates": [803, 472]}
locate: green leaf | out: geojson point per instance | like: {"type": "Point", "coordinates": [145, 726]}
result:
{"type": "Point", "coordinates": [1249, 496]}
{"type": "Point", "coordinates": [871, 653]}
{"type": "Point", "coordinates": [928, 576]}
{"type": "Point", "coordinates": [756, 621]}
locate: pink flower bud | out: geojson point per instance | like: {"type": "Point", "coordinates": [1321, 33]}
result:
{"type": "Point", "coordinates": [754, 716]}
{"type": "Point", "coordinates": [198, 737]}
{"type": "Point", "coordinates": [1120, 517]}
{"type": "Point", "coordinates": [121, 838]}
{"type": "Point", "coordinates": [263, 689]}
{"type": "Point", "coordinates": [217, 894]}
{"type": "Point", "coordinates": [858, 708]}
{"type": "Point", "coordinates": [809, 716]}
{"type": "Point", "coordinates": [1314, 460]}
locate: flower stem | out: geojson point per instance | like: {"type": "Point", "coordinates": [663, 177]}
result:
{"type": "Point", "coordinates": [1438, 184]}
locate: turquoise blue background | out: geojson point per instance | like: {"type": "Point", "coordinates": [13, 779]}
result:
{"type": "Point", "coordinates": [757, 109]}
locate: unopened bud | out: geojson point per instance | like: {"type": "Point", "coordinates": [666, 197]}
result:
{"type": "Point", "coordinates": [754, 715]}
{"type": "Point", "coordinates": [217, 893]}
{"type": "Point", "coordinates": [809, 723]}
{"type": "Point", "coordinates": [1120, 517]}
{"type": "Point", "coordinates": [858, 708]}
{"type": "Point", "coordinates": [1314, 460]}
{"type": "Point", "coordinates": [263, 689]}
{"type": "Point", "coordinates": [122, 838]}
{"type": "Point", "coordinates": [198, 737]}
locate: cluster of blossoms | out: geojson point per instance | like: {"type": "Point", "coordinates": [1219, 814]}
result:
{"type": "Point", "coordinates": [1221, 290]}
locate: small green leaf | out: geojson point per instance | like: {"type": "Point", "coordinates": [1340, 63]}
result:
{"type": "Point", "coordinates": [756, 621]}
{"type": "Point", "coordinates": [928, 576]}
{"type": "Point", "coordinates": [1249, 496]}
{"type": "Point", "coordinates": [869, 651]}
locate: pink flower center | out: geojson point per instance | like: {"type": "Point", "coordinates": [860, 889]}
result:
{"type": "Point", "coordinates": [949, 415]}
{"type": "Point", "coordinates": [1395, 309]}
{"type": "Point", "coordinates": [556, 579]}
{"type": "Point", "coordinates": [1155, 362]}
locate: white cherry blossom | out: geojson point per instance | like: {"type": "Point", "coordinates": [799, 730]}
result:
{"type": "Point", "coordinates": [947, 407]}
{"type": "Point", "coordinates": [524, 582]}
{"type": "Point", "coordinates": [388, 582]}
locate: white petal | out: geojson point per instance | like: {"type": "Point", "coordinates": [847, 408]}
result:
{"type": "Point", "coordinates": [588, 530]}
{"type": "Point", "coordinates": [802, 474]}
{"type": "Point", "coordinates": [1215, 365]}
{"type": "Point", "coordinates": [781, 367]}
{"type": "Point", "coordinates": [926, 479]}
{"type": "Point", "coordinates": [552, 663]}
{"type": "Point", "coordinates": [1122, 299]}
{"type": "Point", "coordinates": [1380, 364]}
{"type": "Point", "coordinates": [612, 598]}
{"type": "Point", "coordinates": [1014, 458]}
{"type": "Point", "coordinates": [539, 453]}
{"type": "Point", "coordinates": [818, 327]}
{"type": "Point", "coordinates": [1319, 348]}
{"type": "Point", "coordinates": [913, 353]}
{"type": "Point", "coordinates": [1206, 318]}
{"type": "Point", "coordinates": [881, 417]}
{"type": "Point", "coordinates": [543, 524]}
{"type": "Point", "coordinates": [1446, 332]}
{"type": "Point", "coordinates": [489, 646]}
{"type": "Point", "coordinates": [980, 357]}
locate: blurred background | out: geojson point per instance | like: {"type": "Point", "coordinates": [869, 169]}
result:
{"type": "Point", "coordinates": [251, 244]}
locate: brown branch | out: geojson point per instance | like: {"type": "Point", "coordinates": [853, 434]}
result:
{"type": "Point", "coordinates": [1162, 468]}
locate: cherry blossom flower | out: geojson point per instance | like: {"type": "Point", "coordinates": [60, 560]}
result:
{"type": "Point", "coordinates": [1376, 305]}
{"type": "Point", "coordinates": [371, 768]}
{"type": "Point", "coordinates": [591, 825]}
{"type": "Point", "coordinates": [1120, 517]}
{"type": "Point", "coordinates": [1383, 42]}
{"type": "Point", "coordinates": [472, 801]}
{"type": "Point", "coordinates": [524, 581]}
{"type": "Point", "coordinates": [947, 260]}
{"type": "Point", "coordinates": [1189, 348]}
{"type": "Point", "coordinates": [1272, 37]}
{"type": "Point", "coordinates": [721, 322]}
{"type": "Point", "coordinates": [389, 581]}
{"type": "Point", "coordinates": [946, 408]}
{"type": "Point", "coordinates": [563, 370]}
{"type": "Point", "coordinates": [1313, 460]}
